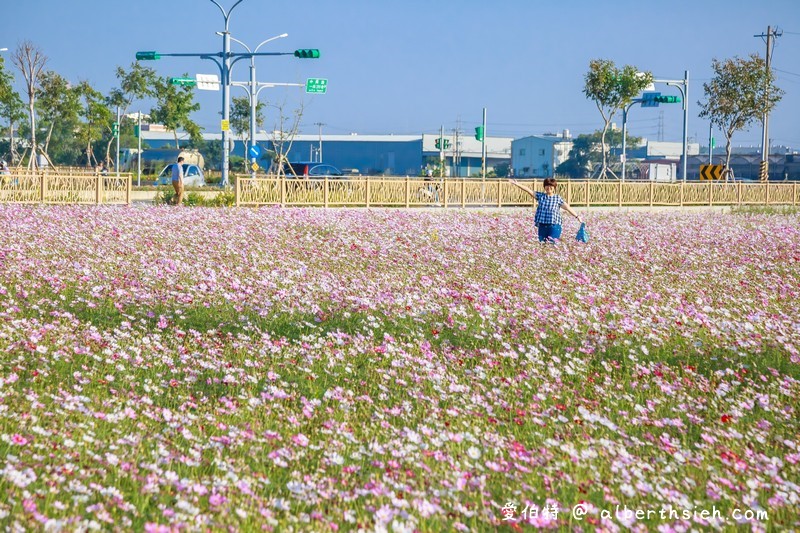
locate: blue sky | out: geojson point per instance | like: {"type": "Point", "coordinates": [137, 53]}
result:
{"type": "Point", "coordinates": [411, 66]}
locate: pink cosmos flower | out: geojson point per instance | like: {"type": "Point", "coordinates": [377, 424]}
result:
{"type": "Point", "coordinates": [300, 440]}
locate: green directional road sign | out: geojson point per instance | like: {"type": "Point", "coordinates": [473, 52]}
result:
{"type": "Point", "coordinates": [183, 82]}
{"type": "Point", "coordinates": [316, 85]}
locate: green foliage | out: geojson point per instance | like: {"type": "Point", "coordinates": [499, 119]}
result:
{"type": "Point", "coordinates": [240, 116]}
{"type": "Point", "coordinates": [174, 106]}
{"type": "Point", "coordinates": [585, 151]}
{"type": "Point", "coordinates": [166, 196]}
{"type": "Point", "coordinates": [741, 92]}
{"type": "Point", "coordinates": [611, 89]}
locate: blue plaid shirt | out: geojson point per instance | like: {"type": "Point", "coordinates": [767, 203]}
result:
{"type": "Point", "coordinates": [548, 209]}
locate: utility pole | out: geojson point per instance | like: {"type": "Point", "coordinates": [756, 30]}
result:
{"type": "Point", "coordinates": [319, 151]}
{"type": "Point", "coordinates": [764, 175]}
{"type": "Point", "coordinates": [139, 154]}
{"type": "Point", "coordinates": [441, 151]}
{"type": "Point", "coordinates": [483, 147]}
{"type": "Point", "coordinates": [116, 161]}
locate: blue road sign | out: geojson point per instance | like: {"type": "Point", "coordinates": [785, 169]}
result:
{"type": "Point", "coordinates": [254, 152]}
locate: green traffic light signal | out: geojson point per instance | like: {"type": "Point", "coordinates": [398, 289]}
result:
{"type": "Point", "coordinates": [479, 133]}
{"type": "Point", "coordinates": [307, 53]}
{"type": "Point", "coordinates": [147, 56]}
{"type": "Point", "coordinates": [115, 129]}
{"type": "Point", "coordinates": [438, 143]}
{"type": "Point", "coordinates": [667, 99]}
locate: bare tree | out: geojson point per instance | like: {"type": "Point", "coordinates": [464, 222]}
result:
{"type": "Point", "coordinates": [283, 137]}
{"type": "Point", "coordinates": [30, 61]}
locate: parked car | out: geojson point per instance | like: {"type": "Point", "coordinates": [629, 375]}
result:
{"type": "Point", "coordinates": [312, 170]}
{"type": "Point", "coordinates": [192, 176]}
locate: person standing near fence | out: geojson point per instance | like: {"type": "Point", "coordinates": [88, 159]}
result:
{"type": "Point", "coordinates": [548, 210]}
{"type": "Point", "coordinates": [177, 180]}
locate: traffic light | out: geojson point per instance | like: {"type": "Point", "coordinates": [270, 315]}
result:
{"type": "Point", "coordinates": [115, 129]}
{"type": "Point", "coordinates": [479, 133]}
{"type": "Point", "coordinates": [147, 56]}
{"type": "Point", "coordinates": [438, 143]}
{"type": "Point", "coordinates": [442, 144]}
{"type": "Point", "coordinates": [446, 144]}
{"type": "Point", "coordinates": [183, 82]}
{"type": "Point", "coordinates": [307, 53]}
{"type": "Point", "coordinates": [667, 99]}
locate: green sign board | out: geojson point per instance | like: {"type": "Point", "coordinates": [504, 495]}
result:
{"type": "Point", "coordinates": [316, 85]}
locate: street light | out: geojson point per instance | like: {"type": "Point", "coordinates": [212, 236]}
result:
{"type": "Point", "coordinates": [625, 133]}
{"type": "Point", "coordinates": [683, 87]}
{"type": "Point", "coordinates": [253, 88]}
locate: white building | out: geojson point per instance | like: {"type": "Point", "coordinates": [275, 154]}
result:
{"type": "Point", "coordinates": [538, 156]}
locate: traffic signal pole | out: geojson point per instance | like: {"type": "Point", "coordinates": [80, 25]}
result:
{"type": "Point", "coordinates": [483, 147]}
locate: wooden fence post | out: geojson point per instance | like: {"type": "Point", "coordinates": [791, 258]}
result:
{"type": "Point", "coordinates": [711, 193]}
{"type": "Point", "coordinates": [766, 193]}
{"type": "Point", "coordinates": [463, 192]}
{"type": "Point", "coordinates": [282, 184]}
{"type": "Point", "coordinates": [619, 194]}
{"type": "Point", "coordinates": [408, 192]}
{"type": "Point", "coordinates": [444, 187]}
{"type": "Point", "coordinates": [500, 194]}
{"type": "Point", "coordinates": [681, 201]}
{"type": "Point", "coordinates": [99, 191]}
{"type": "Point", "coordinates": [325, 192]}
{"type": "Point", "coordinates": [42, 187]}
{"type": "Point", "coordinates": [128, 188]}
{"type": "Point", "coordinates": [367, 187]}
{"type": "Point", "coordinates": [237, 192]}
{"type": "Point", "coordinates": [794, 193]}
{"type": "Point", "coordinates": [587, 192]}
{"type": "Point", "coordinates": [569, 192]}
{"type": "Point", "coordinates": [651, 193]}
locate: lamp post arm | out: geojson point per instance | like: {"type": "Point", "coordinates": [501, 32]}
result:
{"type": "Point", "coordinates": [227, 15]}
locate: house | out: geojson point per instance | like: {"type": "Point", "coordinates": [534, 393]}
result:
{"type": "Point", "coordinates": [537, 156]}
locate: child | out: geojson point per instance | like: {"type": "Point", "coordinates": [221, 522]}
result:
{"type": "Point", "coordinates": [548, 210]}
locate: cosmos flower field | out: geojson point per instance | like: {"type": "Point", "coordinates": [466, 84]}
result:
{"type": "Point", "coordinates": [168, 369]}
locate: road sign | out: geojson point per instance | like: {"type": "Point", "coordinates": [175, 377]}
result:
{"type": "Point", "coordinates": [254, 167]}
{"type": "Point", "coordinates": [316, 85]}
{"type": "Point", "coordinates": [254, 152]}
{"type": "Point", "coordinates": [183, 82]}
{"type": "Point", "coordinates": [225, 125]}
{"type": "Point", "coordinates": [711, 172]}
{"type": "Point", "coordinates": [650, 99]}
{"type": "Point", "coordinates": [207, 82]}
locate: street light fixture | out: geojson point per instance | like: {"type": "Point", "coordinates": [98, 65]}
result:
{"type": "Point", "coordinates": [683, 87]}
{"type": "Point", "coordinates": [224, 62]}
{"type": "Point", "coordinates": [253, 88]}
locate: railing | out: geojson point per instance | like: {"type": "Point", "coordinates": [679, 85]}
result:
{"type": "Point", "coordinates": [54, 187]}
{"type": "Point", "coordinates": [417, 192]}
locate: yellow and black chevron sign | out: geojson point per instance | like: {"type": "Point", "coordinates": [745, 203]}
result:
{"type": "Point", "coordinates": [763, 174]}
{"type": "Point", "coordinates": [711, 172]}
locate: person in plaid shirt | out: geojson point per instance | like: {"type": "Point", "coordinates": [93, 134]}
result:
{"type": "Point", "coordinates": [548, 210]}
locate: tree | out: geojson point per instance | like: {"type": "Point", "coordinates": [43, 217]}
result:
{"type": "Point", "coordinates": [96, 117]}
{"type": "Point", "coordinates": [741, 92]}
{"type": "Point", "coordinates": [136, 84]}
{"type": "Point", "coordinates": [30, 61]}
{"type": "Point", "coordinates": [611, 89]}
{"type": "Point", "coordinates": [240, 117]}
{"type": "Point", "coordinates": [58, 105]}
{"type": "Point", "coordinates": [584, 152]}
{"type": "Point", "coordinates": [11, 109]}
{"type": "Point", "coordinates": [174, 107]}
